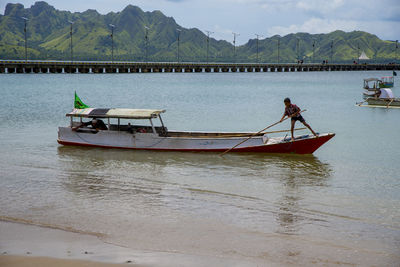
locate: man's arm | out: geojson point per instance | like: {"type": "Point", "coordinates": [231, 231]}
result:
{"type": "Point", "coordinates": [80, 126]}
{"type": "Point", "coordinates": [284, 115]}
{"type": "Point", "coordinates": [77, 127]}
{"type": "Point", "coordinates": [296, 113]}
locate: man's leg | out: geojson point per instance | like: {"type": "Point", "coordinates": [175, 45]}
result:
{"type": "Point", "coordinates": [291, 129]}
{"type": "Point", "coordinates": [309, 127]}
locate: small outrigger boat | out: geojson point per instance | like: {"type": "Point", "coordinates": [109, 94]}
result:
{"type": "Point", "coordinates": [118, 132]}
{"type": "Point", "coordinates": [383, 98]}
{"type": "Point", "coordinates": [374, 84]}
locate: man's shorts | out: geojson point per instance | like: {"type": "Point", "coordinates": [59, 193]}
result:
{"type": "Point", "coordinates": [298, 118]}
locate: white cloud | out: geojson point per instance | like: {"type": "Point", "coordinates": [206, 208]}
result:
{"type": "Point", "coordinates": [319, 5]}
{"type": "Point", "coordinates": [315, 25]}
{"type": "Point", "coordinates": [383, 29]}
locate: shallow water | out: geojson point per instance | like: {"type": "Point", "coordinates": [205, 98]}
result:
{"type": "Point", "coordinates": [283, 208]}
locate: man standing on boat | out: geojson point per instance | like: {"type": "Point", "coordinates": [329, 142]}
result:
{"type": "Point", "coordinates": [293, 112]}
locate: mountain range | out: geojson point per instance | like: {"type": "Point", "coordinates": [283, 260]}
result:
{"type": "Point", "coordinates": [48, 38]}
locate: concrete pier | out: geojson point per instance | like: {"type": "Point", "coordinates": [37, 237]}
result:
{"type": "Point", "coordinates": [86, 67]}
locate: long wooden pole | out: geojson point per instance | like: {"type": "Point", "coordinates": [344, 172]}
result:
{"type": "Point", "coordinates": [256, 134]}
{"type": "Point", "coordinates": [247, 135]}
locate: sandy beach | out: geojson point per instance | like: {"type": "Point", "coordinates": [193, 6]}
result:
{"type": "Point", "coordinates": [26, 245]}
{"type": "Point", "coordinates": [31, 245]}
{"type": "Point", "coordinates": [27, 261]}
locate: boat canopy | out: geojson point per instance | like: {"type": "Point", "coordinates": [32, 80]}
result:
{"type": "Point", "coordinates": [371, 79]}
{"type": "Point", "coordinates": [388, 79]}
{"type": "Point", "coordinates": [386, 93]}
{"type": "Point", "coordinates": [122, 113]}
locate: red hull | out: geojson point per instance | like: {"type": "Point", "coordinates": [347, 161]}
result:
{"type": "Point", "coordinates": [302, 146]}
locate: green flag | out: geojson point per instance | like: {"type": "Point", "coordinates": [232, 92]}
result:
{"type": "Point", "coordinates": [78, 103]}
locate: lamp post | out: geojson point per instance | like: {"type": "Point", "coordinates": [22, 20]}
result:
{"type": "Point", "coordinates": [331, 51]}
{"type": "Point", "coordinates": [179, 40]}
{"type": "Point", "coordinates": [358, 53]}
{"type": "Point", "coordinates": [208, 42]}
{"type": "Point", "coordinates": [313, 53]}
{"type": "Point", "coordinates": [70, 34]}
{"type": "Point", "coordinates": [234, 45]}
{"type": "Point", "coordinates": [146, 39]}
{"type": "Point", "coordinates": [258, 36]}
{"type": "Point", "coordinates": [297, 49]}
{"type": "Point", "coordinates": [26, 43]}
{"type": "Point", "coordinates": [397, 49]}
{"type": "Point", "coordinates": [279, 42]}
{"type": "Point", "coordinates": [112, 42]}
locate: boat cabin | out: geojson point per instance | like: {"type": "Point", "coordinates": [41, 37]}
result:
{"type": "Point", "coordinates": [372, 84]}
{"type": "Point", "coordinates": [119, 119]}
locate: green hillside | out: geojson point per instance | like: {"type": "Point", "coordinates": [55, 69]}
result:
{"type": "Point", "coordinates": [48, 35]}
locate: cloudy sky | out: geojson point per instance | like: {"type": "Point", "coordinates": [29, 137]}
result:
{"type": "Point", "coordinates": [263, 17]}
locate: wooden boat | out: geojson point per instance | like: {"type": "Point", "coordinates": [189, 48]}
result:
{"type": "Point", "coordinates": [373, 84]}
{"type": "Point", "coordinates": [121, 133]}
{"type": "Point", "coordinates": [384, 98]}
{"type": "Point", "coordinates": [387, 82]}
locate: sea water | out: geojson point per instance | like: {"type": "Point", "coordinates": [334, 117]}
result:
{"type": "Point", "coordinates": [340, 205]}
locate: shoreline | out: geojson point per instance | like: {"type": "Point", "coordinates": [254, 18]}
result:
{"type": "Point", "coordinates": [25, 244]}
{"type": "Point", "coordinates": [29, 261]}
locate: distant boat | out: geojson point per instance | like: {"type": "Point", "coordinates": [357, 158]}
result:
{"type": "Point", "coordinates": [117, 133]}
{"type": "Point", "coordinates": [372, 86]}
{"type": "Point", "coordinates": [387, 82]}
{"type": "Point", "coordinates": [384, 98]}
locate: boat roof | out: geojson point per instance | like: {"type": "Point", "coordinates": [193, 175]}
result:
{"type": "Point", "coordinates": [122, 113]}
{"type": "Point", "coordinates": [371, 79]}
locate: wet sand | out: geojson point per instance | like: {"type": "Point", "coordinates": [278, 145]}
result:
{"type": "Point", "coordinates": [26, 245]}
{"type": "Point", "coordinates": [25, 261]}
